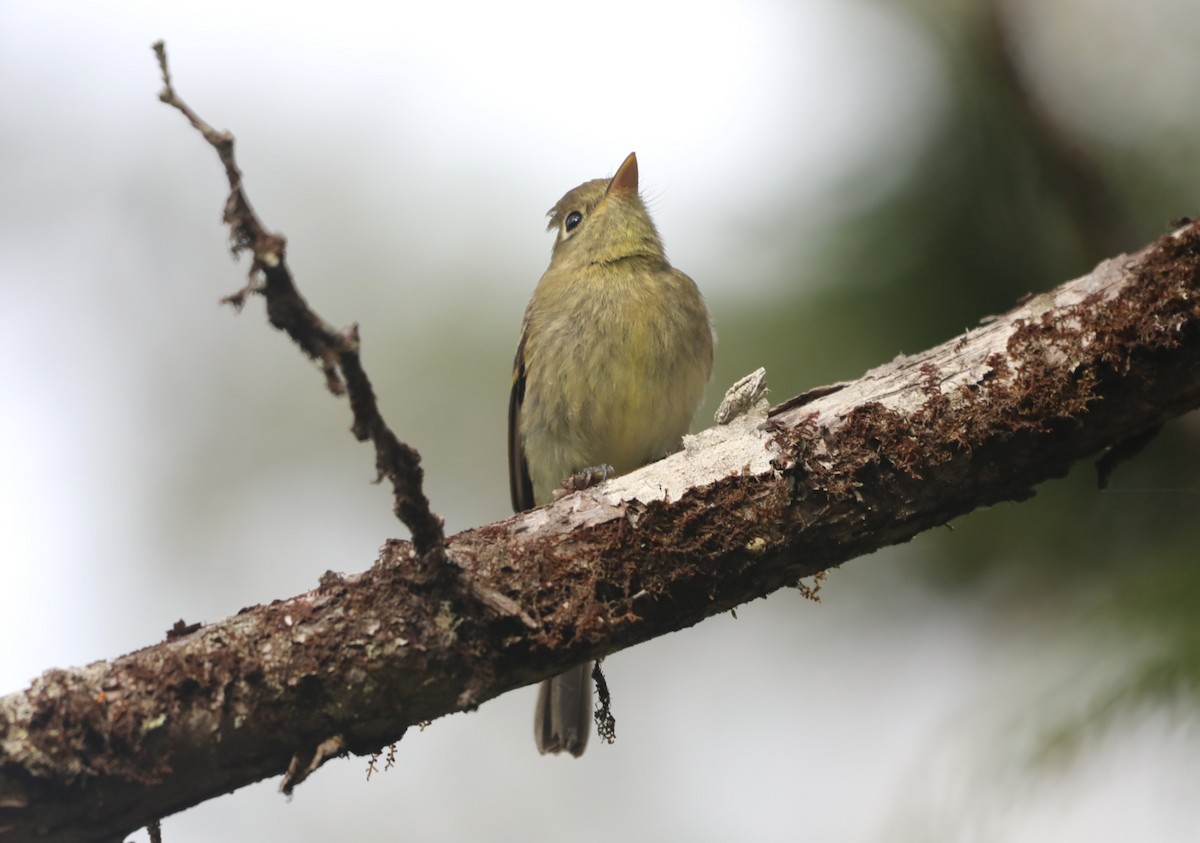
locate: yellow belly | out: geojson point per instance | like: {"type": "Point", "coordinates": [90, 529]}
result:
{"type": "Point", "coordinates": [615, 381]}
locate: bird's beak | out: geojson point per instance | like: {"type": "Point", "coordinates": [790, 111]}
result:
{"type": "Point", "coordinates": [626, 177]}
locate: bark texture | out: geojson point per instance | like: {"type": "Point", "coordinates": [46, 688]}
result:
{"type": "Point", "coordinates": [90, 754]}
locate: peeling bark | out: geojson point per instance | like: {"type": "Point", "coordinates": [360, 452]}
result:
{"type": "Point", "coordinates": [92, 753]}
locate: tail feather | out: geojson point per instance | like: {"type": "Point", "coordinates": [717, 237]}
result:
{"type": "Point", "coordinates": [563, 718]}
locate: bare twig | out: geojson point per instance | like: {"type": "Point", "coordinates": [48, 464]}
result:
{"type": "Point", "coordinates": [336, 351]}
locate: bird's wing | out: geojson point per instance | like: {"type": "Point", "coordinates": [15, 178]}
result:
{"type": "Point", "coordinates": [519, 484]}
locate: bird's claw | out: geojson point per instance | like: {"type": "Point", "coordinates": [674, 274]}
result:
{"type": "Point", "coordinates": [591, 476]}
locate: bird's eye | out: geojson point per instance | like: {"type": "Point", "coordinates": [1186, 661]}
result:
{"type": "Point", "coordinates": [572, 221]}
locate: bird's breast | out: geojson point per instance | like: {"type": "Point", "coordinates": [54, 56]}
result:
{"type": "Point", "coordinates": [614, 376]}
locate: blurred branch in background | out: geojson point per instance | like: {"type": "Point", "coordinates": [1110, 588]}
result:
{"type": "Point", "coordinates": [1102, 222]}
{"type": "Point", "coordinates": [746, 509]}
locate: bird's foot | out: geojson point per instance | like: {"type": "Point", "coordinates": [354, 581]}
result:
{"type": "Point", "coordinates": [591, 476]}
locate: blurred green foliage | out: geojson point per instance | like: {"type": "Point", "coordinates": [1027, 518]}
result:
{"type": "Point", "coordinates": [1006, 201]}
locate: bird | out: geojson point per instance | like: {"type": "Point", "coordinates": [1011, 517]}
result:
{"type": "Point", "coordinates": [614, 354]}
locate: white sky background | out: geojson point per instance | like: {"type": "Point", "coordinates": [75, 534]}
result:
{"type": "Point", "coordinates": [162, 458]}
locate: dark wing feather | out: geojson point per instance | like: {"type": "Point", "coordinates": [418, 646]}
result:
{"type": "Point", "coordinates": [519, 484]}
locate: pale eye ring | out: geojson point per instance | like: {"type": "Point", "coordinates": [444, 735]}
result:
{"type": "Point", "coordinates": [572, 221]}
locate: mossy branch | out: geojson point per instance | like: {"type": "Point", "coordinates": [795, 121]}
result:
{"type": "Point", "coordinates": [747, 508]}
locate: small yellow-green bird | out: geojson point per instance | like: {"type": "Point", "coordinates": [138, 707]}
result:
{"type": "Point", "coordinates": [615, 351]}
